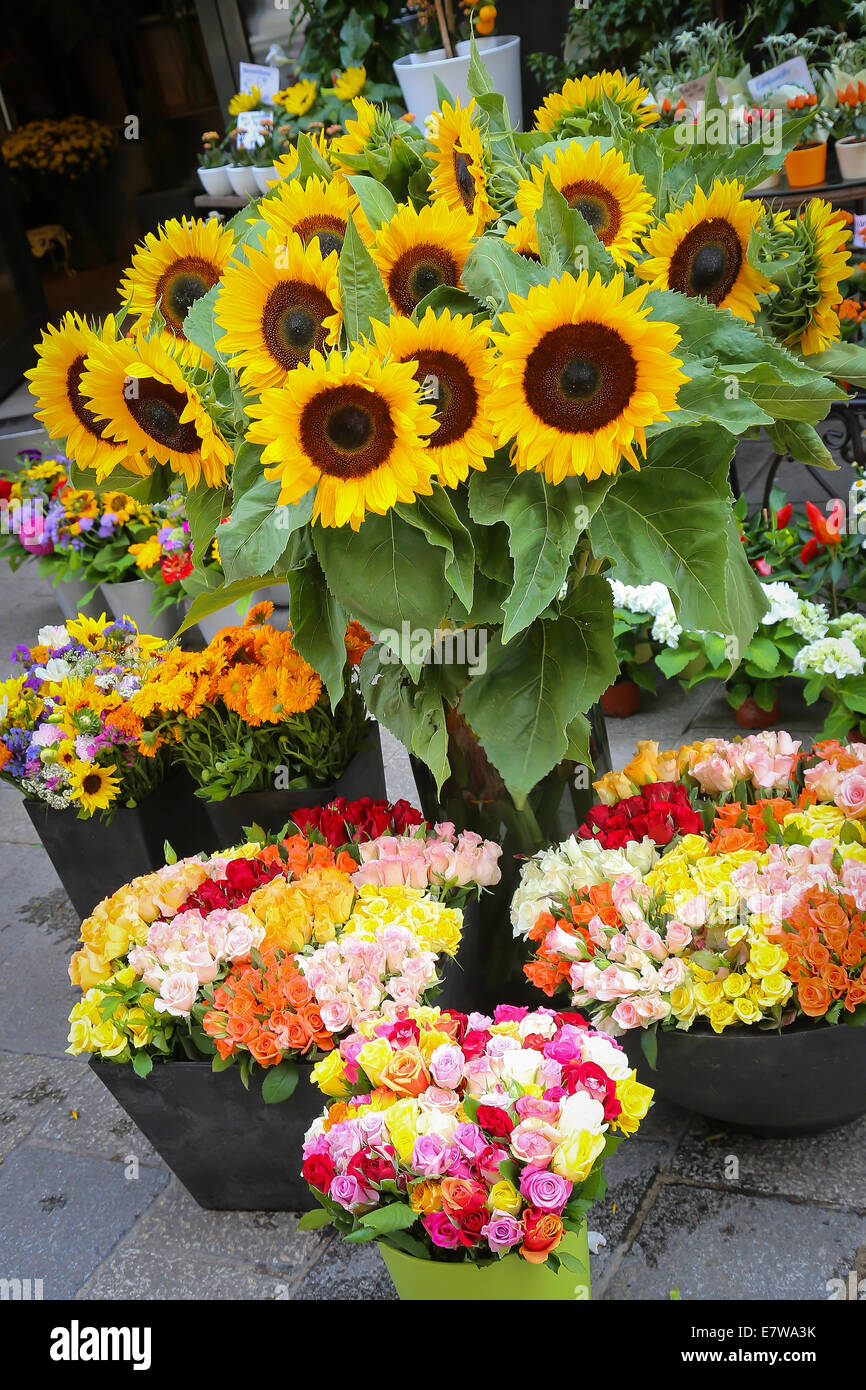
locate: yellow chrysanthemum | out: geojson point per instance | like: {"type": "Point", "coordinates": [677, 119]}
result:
{"type": "Point", "coordinates": [93, 787]}
{"type": "Point", "coordinates": [245, 101]}
{"type": "Point", "coordinates": [354, 428]}
{"type": "Point", "coordinates": [315, 211]}
{"type": "Point", "coordinates": [147, 553]}
{"type": "Point", "coordinates": [582, 96]}
{"type": "Point", "coordinates": [453, 365]}
{"type": "Point", "coordinates": [172, 268]}
{"type": "Point", "coordinates": [276, 307]}
{"type": "Point", "coordinates": [350, 83]}
{"type": "Point", "coordinates": [583, 371]}
{"type": "Point", "coordinates": [55, 381]}
{"type": "Point", "coordinates": [700, 249]}
{"type": "Point", "coordinates": [602, 187]}
{"type": "Point", "coordinates": [459, 174]}
{"type": "Point", "coordinates": [417, 250]}
{"type": "Point", "coordinates": [297, 99]}
{"type": "Point", "coordinates": [138, 388]}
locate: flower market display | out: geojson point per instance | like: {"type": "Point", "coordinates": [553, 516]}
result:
{"type": "Point", "coordinates": [466, 1139]}
{"type": "Point", "coordinates": [744, 897]}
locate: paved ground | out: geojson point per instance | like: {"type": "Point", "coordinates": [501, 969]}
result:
{"type": "Point", "coordinates": [88, 1208]}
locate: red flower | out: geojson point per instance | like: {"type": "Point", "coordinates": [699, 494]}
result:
{"type": "Point", "coordinates": [763, 568]}
{"type": "Point", "coordinates": [318, 1170]}
{"type": "Point", "coordinates": [176, 567]}
{"type": "Point", "coordinates": [495, 1120]}
{"type": "Point", "coordinates": [5, 489]}
{"type": "Point", "coordinates": [372, 1166]}
{"type": "Point", "coordinates": [827, 530]}
{"type": "Point", "coordinates": [783, 516]}
{"type": "Point", "coordinates": [474, 1043]}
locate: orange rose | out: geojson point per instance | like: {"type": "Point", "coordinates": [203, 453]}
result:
{"type": "Point", "coordinates": [836, 979]}
{"type": "Point", "coordinates": [830, 914]}
{"type": "Point", "coordinates": [425, 1197]}
{"type": "Point", "coordinates": [297, 992]}
{"type": "Point", "coordinates": [265, 1050]}
{"type": "Point", "coordinates": [813, 996]}
{"type": "Point", "coordinates": [461, 1195]}
{"type": "Point", "coordinates": [542, 1232]}
{"type": "Point", "coordinates": [405, 1073]}
{"type": "Point", "coordinates": [242, 1030]}
{"type": "Point", "coordinates": [816, 955]}
{"type": "Point", "coordinates": [856, 995]}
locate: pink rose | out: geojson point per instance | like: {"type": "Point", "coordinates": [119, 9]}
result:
{"type": "Point", "coordinates": [348, 1192]}
{"type": "Point", "coordinates": [446, 1065]}
{"type": "Point", "coordinates": [714, 774]}
{"type": "Point", "coordinates": [177, 993]}
{"type": "Point", "coordinates": [441, 1230]}
{"type": "Point", "coordinates": [677, 936]}
{"type": "Point", "coordinates": [430, 1156]}
{"type": "Point", "coordinates": [851, 796]}
{"type": "Point", "coordinates": [533, 1141]}
{"type": "Point", "coordinates": [198, 959]}
{"type": "Point", "coordinates": [502, 1232]}
{"type": "Point", "coordinates": [547, 1191]}
{"type": "Point", "coordinates": [335, 1015]}
{"type": "Point", "coordinates": [625, 1015]}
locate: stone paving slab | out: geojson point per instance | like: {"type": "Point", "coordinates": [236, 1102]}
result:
{"type": "Point", "coordinates": [90, 1121]}
{"type": "Point", "coordinates": [31, 1089]}
{"type": "Point", "coordinates": [137, 1273]}
{"type": "Point", "coordinates": [351, 1272]}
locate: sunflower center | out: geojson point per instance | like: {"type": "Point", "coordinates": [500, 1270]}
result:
{"type": "Point", "coordinates": [76, 401]}
{"type": "Point", "coordinates": [579, 377]}
{"type": "Point", "coordinates": [91, 784]}
{"type": "Point", "coordinates": [707, 261]}
{"type": "Point", "coordinates": [329, 229]}
{"type": "Point", "coordinates": [418, 271]}
{"type": "Point", "coordinates": [156, 408]}
{"type": "Point", "coordinates": [292, 322]}
{"type": "Point", "coordinates": [347, 431]}
{"type": "Point", "coordinates": [180, 286]}
{"type": "Point", "coordinates": [451, 388]}
{"type": "Point", "coordinates": [464, 180]}
{"type": "Point", "coordinates": [596, 205]}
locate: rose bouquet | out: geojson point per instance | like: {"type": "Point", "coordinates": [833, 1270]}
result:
{"type": "Point", "coordinates": [65, 736]}
{"type": "Point", "coordinates": [249, 710]}
{"type": "Point", "coordinates": [460, 1138]}
{"type": "Point", "coordinates": [257, 956]}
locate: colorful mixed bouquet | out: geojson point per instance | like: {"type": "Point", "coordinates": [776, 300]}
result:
{"type": "Point", "coordinates": [261, 954]}
{"type": "Point", "coordinates": [64, 736]}
{"type": "Point", "coordinates": [462, 1137]}
{"type": "Point", "coordinates": [249, 710]}
{"type": "Point", "coordinates": [755, 921]}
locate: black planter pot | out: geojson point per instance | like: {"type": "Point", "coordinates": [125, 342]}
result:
{"type": "Point", "coordinates": [231, 1150]}
{"type": "Point", "coordinates": [93, 860]}
{"type": "Point", "coordinates": [807, 1078]}
{"type": "Point", "coordinates": [365, 776]}
{"type": "Point", "coordinates": [461, 973]}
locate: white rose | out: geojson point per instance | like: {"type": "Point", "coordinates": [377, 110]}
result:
{"type": "Point", "coordinates": [611, 1059]}
{"type": "Point", "coordinates": [581, 1112]}
{"type": "Point", "coordinates": [521, 1066]}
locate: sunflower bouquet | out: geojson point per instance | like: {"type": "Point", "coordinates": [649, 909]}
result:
{"type": "Point", "coordinates": [65, 738]}
{"type": "Point", "coordinates": [443, 384]}
{"type": "Point", "coordinates": [249, 713]}
{"type": "Point", "coordinates": [255, 957]}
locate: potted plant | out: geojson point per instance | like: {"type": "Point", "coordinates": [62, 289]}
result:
{"type": "Point", "coordinates": [146, 583]}
{"type": "Point", "coordinates": [849, 129]}
{"type": "Point", "coordinates": [643, 619]}
{"type": "Point", "coordinates": [833, 669]}
{"type": "Point", "coordinates": [471, 1149]}
{"type": "Point", "coordinates": [806, 163]}
{"type": "Point", "coordinates": [441, 58]}
{"type": "Point", "coordinates": [213, 165]}
{"type": "Point", "coordinates": [97, 789]}
{"type": "Point", "coordinates": [253, 962]}
{"type": "Point", "coordinates": [733, 958]}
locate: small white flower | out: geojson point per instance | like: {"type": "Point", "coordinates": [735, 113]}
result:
{"type": "Point", "coordinates": [831, 656]}
{"type": "Point", "coordinates": [52, 637]}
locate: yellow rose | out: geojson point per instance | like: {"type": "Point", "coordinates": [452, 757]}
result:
{"type": "Point", "coordinates": [683, 1004]}
{"type": "Point", "coordinates": [644, 766]}
{"type": "Point", "coordinates": [430, 1040]}
{"type": "Point", "coordinates": [80, 1036]}
{"type": "Point", "coordinates": [330, 1076]}
{"type": "Point", "coordinates": [765, 959]}
{"type": "Point", "coordinates": [107, 1040]}
{"type": "Point", "coordinates": [374, 1057]}
{"type": "Point", "coordinates": [504, 1196]}
{"type": "Point", "coordinates": [425, 1197]}
{"type": "Point", "coordinates": [747, 1010]}
{"type": "Point", "coordinates": [722, 1015]}
{"type": "Point", "coordinates": [635, 1100]}
{"type": "Point", "coordinates": [574, 1157]}
{"type": "Point", "coordinates": [402, 1122]}
{"type": "Point", "coordinates": [709, 993]}
{"type": "Point", "coordinates": [138, 1026]}
{"type": "Point", "coordinates": [772, 989]}
{"type": "Point", "coordinates": [735, 985]}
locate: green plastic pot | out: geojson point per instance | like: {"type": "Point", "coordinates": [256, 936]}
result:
{"type": "Point", "coordinates": [511, 1279]}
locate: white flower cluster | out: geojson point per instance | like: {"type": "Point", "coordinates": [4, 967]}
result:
{"type": "Point", "coordinates": [831, 656]}
{"type": "Point", "coordinates": [557, 872]}
{"type": "Point", "coordinates": [655, 601]}
{"type": "Point", "coordinates": [808, 620]}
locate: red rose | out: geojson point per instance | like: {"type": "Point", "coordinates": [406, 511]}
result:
{"type": "Point", "coordinates": [470, 1226]}
{"type": "Point", "coordinates": [372, 1166]}
{"type": "Point", "coordinates": [542, 1232]}
{"type": "Point", "coordinates": [534, 1042]}
{"type": "Point", "coordinates": [659, 829]}
{"type": "Point", "coordinates": [318, 1170]}
{"type": "Point", "coordinates": [474, 1043]}
{"type": "Point", "coordinates": [494, 1120]}
{"type": "Point", "coordinates": [576, 1020]}
{"type": "Point", "coordinates": [404, 1032]}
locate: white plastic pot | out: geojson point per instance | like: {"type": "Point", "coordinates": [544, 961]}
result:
{"type": "Point", "coordinates": [500, 54]}
{"type": "Point", "coordinates": [770, 182]}
{"type": "Point", "coordinates": [243, 180]}
{"type": "Point", "coordinates": [131, 599]}
{"type": "Point", "coordinates": [851, 154]}
{"type": "Point", "coordinates": [265, 177]}
{"type": "Point", "coordinates": [215, 182]}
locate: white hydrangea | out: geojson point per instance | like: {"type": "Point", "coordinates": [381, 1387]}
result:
{"type": "Point", "coordinates": [574, 864]}
{"type": "Point", "coordinates": [853, 623]}
{"type": "Point", "coordinates": [831, 656]}
{"type": "Point", "coordinates": [783, 602]}
{"type": "Point", "coordinates": [811, 620]}
{"type": "Point", "coordinates": [654, 600]}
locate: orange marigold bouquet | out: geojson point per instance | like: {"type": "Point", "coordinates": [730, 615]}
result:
{"type": "Point", "coordinates": [249, 708]}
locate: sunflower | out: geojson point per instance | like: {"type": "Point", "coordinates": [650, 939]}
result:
{"type": "Point", "coordinates": [93, 787]}
{"type": "Point", "coordinates": [453, 365]}
{"type": "Point", "coordinates": [420, 249]}
{"type": "Point", "coordinates": [138, 388]}
{"type": "Point", "coordinates": [172, 268]}
{"type": "Point", "coordinates": [582, 372]}
{"type": "Point", "coordinates": [244, 101]}
{"type": "Point", "coordinates": [277, 307]}
{"type": "Point", "coordinates": [56, 381]}
{"type": "Point", "coordinates": [700, 249]}
{"type": "Point", "coordinates": [314, 211]}
{"type": "Point", "coordinates": [350, 83]}
{"type": "Point", "coordinates": [297, 99]}
{"type": "Point", "coordinates": [582, 97]}
{"type": "Point", "coordinates": [370, 124]}
{"type": "Point", "coordinates": [602, 187]}
{"type": "Point", "coordinates": [805, 312]}
{"type": "Point", "coordinates": [459, 175]}
{"type": "Point", "coordinates": [354, 428]}
{"type": "Point", "coordinates": [522, 237]}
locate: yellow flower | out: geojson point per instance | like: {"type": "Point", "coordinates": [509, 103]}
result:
{"type": "Point", "coordinates": [773, 989]}
{"type": "Point", "coordinates": [747, 1010]}
{"type": "Point", "coordinates": [574, 1156]}
{"type": "Point", "coordinates": [107, 1040]}
{"type": "Point", "coordinates": [350, 83]}
{"type": "Point", "coordinates": [330, 1076]}
{"type": "Point", "coordinates": [635, 1100]}
{"type": "Point", "coordinates": [245, 101]}
{"type": "Point", "coordinates": [402, 1122]}
{"type": "Point", "coordinates": [138, 1026]}
{"type": "Point", "coordinates": [80, 1037]}
{"type": "Point", "coordinates": [373, 1057]}
{"type": "Point", "coordinates": [735, 985]}
{"type": "Point", "coordinates": [709, 993]}
{"type": "Point", "coordinates": [722, 1015]}
{"type": "Point", "coordinates": [147, 553]}
{"type": "Point", "coordinates": [297, 99]}
{"type": "Point", "coordinates": [504, 1196]}
{"type": "Point", "coordinates": [425, 1197]}
{"type": "Point", "coordinates": [683, 1005]}
{"type": "Point", "coordinates": [765, 959]}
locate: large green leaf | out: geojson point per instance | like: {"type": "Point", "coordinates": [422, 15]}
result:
{"type": "Point", "coordinates": [411, 709]}
{"type": "Point", "coordinates": [363, 294]}
{"type": "Point", "coordinates": [319, 626]}
{"type": "Point", "coordinates": [673, 522]}
{"type": "Point", "coordinates": [376, 202]}
{"type": "Point", "coordinates": [565, 239]}
{"type": "Point", "coordinates": [386, 574]}
{"type": "Point", "coordinates": [524, 706]}
{"type": "Point", "coordinates": [253, 540]}
{"type": "Point", "coordinates": [213, 599]}
{"type": "Point", "coordinates": [436, 517]}
{"type": "Point", "coordinates": [542, 535]}
{"type": "Point", "coordinates": [492, 272]}
{"type": "Point", "coordinates": [845, 361]}
{"type": "Point", "coordinates": [201, 328]}
{"type": "Point", "coordinates": [802, 442]}
{"type": "Point", "coordinates": [205, 509]}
